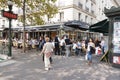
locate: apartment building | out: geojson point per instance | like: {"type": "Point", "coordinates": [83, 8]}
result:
{"type": "Point", "coordinates": [89, 11]}
{"type": "Point", "coordinates": [83, 10]}
{"type": "Point", "coordinates": [101, 4]}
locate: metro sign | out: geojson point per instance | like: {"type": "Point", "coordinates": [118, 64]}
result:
{"type": "Point", "coordinates": [9, 15]}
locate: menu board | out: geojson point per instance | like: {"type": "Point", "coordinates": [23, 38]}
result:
{"type": "Point", "coordinates": [116, 37]}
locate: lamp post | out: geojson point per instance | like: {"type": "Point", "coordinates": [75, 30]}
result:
{"type": "Point", "coordinates": [10, 40]}
{"type": "Point", "coordinates": [24, 26]}
{"type": "Point", "coordinates": [61, 27]}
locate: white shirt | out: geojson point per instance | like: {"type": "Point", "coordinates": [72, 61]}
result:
{"type": "Point", "coordinates": [62, 42]}
{"type": "Point", "coordinates": [90, 44]}
{"type": "Point", "coordinates": [102, 43]}
{"type": "Point", "coordinates": [74, 45]}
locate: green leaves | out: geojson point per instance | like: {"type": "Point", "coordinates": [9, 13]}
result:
{"type": "Point", "coordinates": [35, 10]}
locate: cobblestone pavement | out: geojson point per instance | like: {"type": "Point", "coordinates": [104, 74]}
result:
{"type": "Point", "coordinates": [29, 66]}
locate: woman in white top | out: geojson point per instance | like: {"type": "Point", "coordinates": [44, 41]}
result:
{"type": "Point", "coordinates": [47, 51]}
{"type": "Point", "coordinates": [90, 50]}
{"type": "Point", "coordinates": [62, 45]}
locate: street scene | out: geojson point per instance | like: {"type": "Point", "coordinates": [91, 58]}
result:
{"type": "Point", "coordinates": [59, 40]}
{"type": "Point", "coordinates": [29, 66]}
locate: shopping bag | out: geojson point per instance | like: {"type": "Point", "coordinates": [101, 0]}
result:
{"type": "Point", "coordinates": [86, 56]}
{"type": "Point", "coordinates": [48, 54]}
{"type": "Point", "coordinates": [99, 51]}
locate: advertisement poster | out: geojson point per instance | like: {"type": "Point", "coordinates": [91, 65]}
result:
{"type": "Point", "coordinates": [116, 37]}
{"type": "Point", "coordinates": [116, 59]}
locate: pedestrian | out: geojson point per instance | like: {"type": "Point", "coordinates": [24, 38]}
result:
{"type": "Point", "coordinates": [62, 46]}
{"type": "Point", "coordinates": [47, 51]}
{"type": "Point", "coordinates": [67, 46]}
{"type": "Point", "coordinates": [57, 46]}
{"type": "Point", "coordinates": [97, 46]}
{"type": "Point", "coordinates": [90, 51]}
{"type": "Point", "coordinates": [103, 45]}
{"type": "Point", "coordinates": [41, 43]}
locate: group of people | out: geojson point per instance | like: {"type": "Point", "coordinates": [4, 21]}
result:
{"type": "Point", "coordinates": [96, 47]}
{"type": "Point", "coordinates": [64, 46]}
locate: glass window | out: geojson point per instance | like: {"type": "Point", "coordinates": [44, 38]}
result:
{"type": "Point", "coordinates": [79, 16]}
{"type": "Point", "coordinates": [61, 16]}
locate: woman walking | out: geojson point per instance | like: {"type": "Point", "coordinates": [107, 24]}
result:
{"type": "Point", "coordinates": [47, 51]}
{"type": "Point", "coordinates": [90, 51]}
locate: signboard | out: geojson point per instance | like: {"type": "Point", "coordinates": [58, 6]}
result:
{"type": "Point", "coordinates": [116, 37]}
{"type": "Point", "coordinates": [9, 15]}
{"type": "Point", "coordinates": [116, 59]}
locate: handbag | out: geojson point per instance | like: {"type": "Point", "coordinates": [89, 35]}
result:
{"type": "Point", "coordinates": [86, 56]}
{"type": "Point", "coordinates": [92, 49]}
{"type": "Point", "coordinates": [48, 54]}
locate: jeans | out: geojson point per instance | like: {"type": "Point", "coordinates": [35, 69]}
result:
{"type": "Point", "coordinates": [77, 51]}
{"type": "Point", "coordinates": [89, 56]}
{"type": "Point", "coordinates": [103, 49]}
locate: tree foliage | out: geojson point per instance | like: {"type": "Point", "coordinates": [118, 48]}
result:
{"type": "Point", "coordinates": [35, 10]}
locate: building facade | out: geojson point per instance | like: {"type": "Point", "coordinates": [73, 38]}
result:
{"type": "Point", "coordinates": [89, 11]}
{"type": "Point", "coordinates": [83, 10]}
{"type": "Point", "coordinates": [101, 4]}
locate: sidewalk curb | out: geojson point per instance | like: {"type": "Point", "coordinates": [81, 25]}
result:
{"type": "Point", "coordinates": [2, 56]}
{"type": "Point", "coordinates": [5, 57]}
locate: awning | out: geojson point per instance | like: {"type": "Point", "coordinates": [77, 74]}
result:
{"type": "Point", "coordinates": [77, 24]}
{"type": "Point", "coordinates": [102, 26]}
{"type": "Point", "coordinates": [47, 27]}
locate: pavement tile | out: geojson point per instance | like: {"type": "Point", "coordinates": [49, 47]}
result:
{"type": "Point", "coordinates": [29, 66]}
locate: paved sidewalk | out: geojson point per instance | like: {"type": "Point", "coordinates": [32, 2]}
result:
{"type": "Point", "coordinates": [29, 66]}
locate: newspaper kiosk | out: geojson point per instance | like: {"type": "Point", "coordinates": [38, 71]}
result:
{"type": "Point", "coordinates": [114, 35]}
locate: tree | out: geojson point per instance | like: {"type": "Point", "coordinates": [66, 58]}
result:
{"type": "Point", "coordinates": [35, 10]}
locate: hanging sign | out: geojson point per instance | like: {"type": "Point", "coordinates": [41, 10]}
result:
{"type": "Point", "coordinates": [9, 15]}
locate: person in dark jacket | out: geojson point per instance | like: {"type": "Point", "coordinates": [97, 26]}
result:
{"type": "Point", "coordinates": [68, 45]}
{"type": "Point", "coordinates": [57, 46]}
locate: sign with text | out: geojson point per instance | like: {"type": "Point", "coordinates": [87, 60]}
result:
{"type": "Point", "coordinates": [9, 15]}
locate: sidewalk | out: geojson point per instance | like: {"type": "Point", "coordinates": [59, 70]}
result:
{"type": "Point", "coordinates": [29, 66]}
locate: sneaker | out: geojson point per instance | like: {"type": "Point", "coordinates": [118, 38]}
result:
{"type": "Point", "coordinates": [46, 69]}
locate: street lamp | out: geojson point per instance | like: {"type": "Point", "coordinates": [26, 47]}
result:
{"type": "Point", "coordinates": [61, 27]}
{"type": "Point", "coordinates": [24, 25]}
{"type": "Point", "coordinates": [10, 4]}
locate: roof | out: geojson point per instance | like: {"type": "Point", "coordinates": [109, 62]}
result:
{"type": "Point", "coordinates": [113, 11]}
{"type": "Point", "coordinates": [50, 27]}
